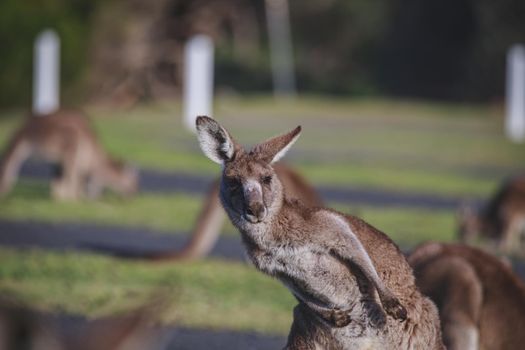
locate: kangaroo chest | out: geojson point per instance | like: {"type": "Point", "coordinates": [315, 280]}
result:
{"type": "Point", "coordinates": [310, 270]}
{"type": "Point", "coordinates": [327, 282]}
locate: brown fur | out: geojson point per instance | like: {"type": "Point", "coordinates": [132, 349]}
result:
{"type": "Point", "coordinates": [67, 139]}
{"type": "Point", "coordinates": [211, 217]}
{"type": "Point", "coordinates": [502, 220]}
{"type": "Point", "coordinates": [355, 288]}
{"type": "Point", "coordinates": [478, 295]}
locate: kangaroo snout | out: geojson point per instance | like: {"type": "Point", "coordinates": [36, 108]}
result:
{"type": "Point", "coordinates": [255, 213]}
{"type": "Point", "coordinates": [254, 208]}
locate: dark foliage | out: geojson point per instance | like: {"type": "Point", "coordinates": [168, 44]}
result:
{"type": "Point", "coordinates": [20, 23]}
{"type": "Point", "coordinates": [447, 49]}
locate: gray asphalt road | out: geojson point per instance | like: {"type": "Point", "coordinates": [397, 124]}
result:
{"type": "Point", "coordinates": [198, 339]}
{"type": "Point", "coordinates": [114, 240]}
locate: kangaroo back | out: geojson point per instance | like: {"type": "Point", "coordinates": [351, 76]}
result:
{"type": "Point", "coordinates": [480, 300]}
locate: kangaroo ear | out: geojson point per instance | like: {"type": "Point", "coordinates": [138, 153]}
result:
{"type": "Point", "coordinates": [214, 140]}
{"type": "Point", "coordinates": [274, 149]}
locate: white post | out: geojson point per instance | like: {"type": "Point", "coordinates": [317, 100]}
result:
{"type": "Point", "coordinates": [515, 99]}
{"type": "Point", "coordinates": [198, 79]}
{"type": "Point", "coordinates": [281, 55]}
{"type": "Point", "coordinates": [46, 73]}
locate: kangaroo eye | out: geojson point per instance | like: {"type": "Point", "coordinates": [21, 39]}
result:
{"type": "Point", "coordinates": [267, 180]}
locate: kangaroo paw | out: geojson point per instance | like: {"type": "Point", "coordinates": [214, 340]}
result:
{"type": "Point", "coordinates": [340, 318]}
{"type": "Point", "coordinates": [394, 308]}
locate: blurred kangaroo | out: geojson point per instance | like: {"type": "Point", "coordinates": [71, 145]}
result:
{"type": "Point", "coordinates": [354, 286]}
{"type": "Point", "coordinates": [502, 219]}
{"type": "Point", "coordinates": [481, 301]}
{"type": "Point", "coordinates": [67, 139]}
{"type": "Point", "coordinates": [24, 329]}
{"type": "Point", "coordinates": [211, 218]}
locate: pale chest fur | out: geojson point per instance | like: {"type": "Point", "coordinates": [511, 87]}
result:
{"type": "Point", "coordinates": [307, 267]}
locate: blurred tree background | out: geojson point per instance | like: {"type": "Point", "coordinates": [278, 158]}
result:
{"type": "Point", "coordinates": [448, 49]}
{"type": "Point", "coordinates": [20, 23]}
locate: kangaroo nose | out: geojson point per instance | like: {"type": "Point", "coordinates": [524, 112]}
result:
{"type": "Point", "coordinates": [255, 213]}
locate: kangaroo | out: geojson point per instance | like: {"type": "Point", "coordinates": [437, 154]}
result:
{"type": "Point", "coordinates": [211, 217]}
{"type": "Point", "coordinates": [502, 219]}
{"type": "Point", "coordinates": [25, 329]}
{"type": "Point", "coordinates": [480, 300]}
{"type": "Point", "coordinates": [66, 138]}
{"type": "Point", "coordinates": [353, 285]}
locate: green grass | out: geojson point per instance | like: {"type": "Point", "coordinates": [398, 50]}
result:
{"type": "Point", "coordinates": [210, 294]}
{"type": "Point", "coordinates": [440, 183]}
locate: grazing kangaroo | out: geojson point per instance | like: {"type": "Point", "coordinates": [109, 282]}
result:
{"type": "Point", "coordinates": [502, 219]}
{"type": "Point", "coordinates": [346, 275]}
{"type": "Point", "coordinates": [66, 138]}
{"type": "Point", "coordinates": [480, 300]}
{"type": "Point", "coordinates": [211, 218]}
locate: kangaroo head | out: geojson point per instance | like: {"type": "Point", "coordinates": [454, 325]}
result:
{"type": "Point", "coordinates": [469, 223]}
{"type": "Point", "coordinates": [250, 190]}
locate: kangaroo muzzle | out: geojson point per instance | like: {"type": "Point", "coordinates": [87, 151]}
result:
{"type": "Point", "coordinates": [254, 209]}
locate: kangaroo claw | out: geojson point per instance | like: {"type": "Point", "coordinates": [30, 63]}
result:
{"type": "Point", "coordinates": [340, 318]}
{"type": "Point", "coordinates": [394, 308]}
